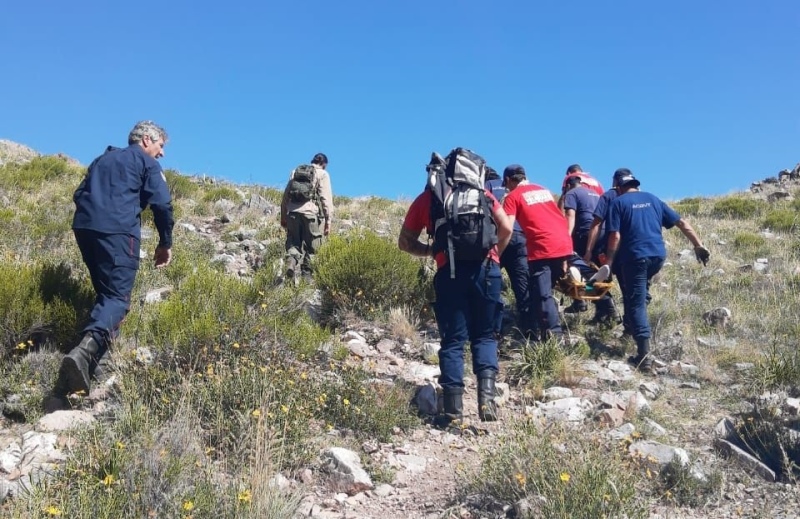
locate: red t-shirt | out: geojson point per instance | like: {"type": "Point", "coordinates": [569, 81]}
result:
{"type": "Point", "coordinates": [587, 180]}
{"type": "Point", "coordinates": [418, 218]}
{"type": "Point", "coordinates": [544, 225]}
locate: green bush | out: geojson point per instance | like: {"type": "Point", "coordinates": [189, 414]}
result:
{"type": "Point", "coordinates": [41, 170]}
{"type": "Point", "coordinates": [367, 275]}
{"type": "Point", "coordinates": [736, 207]}
{"type": "Point", "coordinates": [785, 220]}
{"type": "Point", "coordinates": [40, 303]}
{"type": "Point", "coordinates": [372, 409]}
{"type": "Point", "coordinates": [559, 474]}
{"type": "Point", "coordinates": [688, 206]}
{"type": "Point", "coordinates": [750, 245]}
{"type": "Point", "coordinates": [223, 192]}
{"type": "Point", "coordinates": [180, 186]}
{"type": "Point", "coordinates": [206, 311]}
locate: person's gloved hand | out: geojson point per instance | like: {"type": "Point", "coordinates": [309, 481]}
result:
{"type": "Point", "coordinates": [702, 254]}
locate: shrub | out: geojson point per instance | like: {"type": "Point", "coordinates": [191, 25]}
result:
{"type": "Point", "coordinates": [559, 474]}
{"type": "Point", "coordinates": [40, 303]}
{"type": "Point", "coordinates": [205, 311]}
{"type": "Point", "coordinates": [180, 186]}
{"type": "Point", "coordinates": [41, 170]}
{"type": "Point", "coordinates": [541, 364]}
{"type": "Point", "coordinates": [365, 274]}
{"type": "Point", "coordinates": [736, 207]}
{"type": "Point", "coordinates": [688, 206]}
{"type": "Point", "coordinates": [219, 193]}
{"type": "Point", "coordinates": [750, 245]}
{"type": "Point", "coordinates": [354, 400]}
{"type": "Point", "coordinates": [784, 220]}
{"type": "Point", "coordinates": [678, 484]}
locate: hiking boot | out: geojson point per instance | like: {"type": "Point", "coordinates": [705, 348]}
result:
{"type": "Point", "coordinates": [487, 407]}
{"type": "Point", "coordinates": [452, 419]}
{"type": "Point", "coordinates": [576, 307]}
{"type": "Point", "coordinates": [644, 365]}
{"type": "Point", "coordinates": [606, 318]}
{"type": "Point", "coordinates": [642, 360]}
{"type": "Point", "coordinates": [74, 375]}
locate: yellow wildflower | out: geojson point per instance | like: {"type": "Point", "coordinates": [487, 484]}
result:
{"type": "Point", "coordinates": [235, 345]}
{"type": "Point", "coordinates": [256, 413]}
{"type": "Point", "coordinates": [53, 511]}
{"type": "Point", "coordinates": [564, 477]}
{"type": "Point", "coordinates": [346, 401]}
{"type": "Point", "coordinates": [108, 480]}
{"type": "Point", "coordinates": [245, 496]}
{"type": "Point", "coordinates": [119, 445]}
{"type": "Point", "coordinates": [285, 408]}
{"type": "Point", "coordinates": [188, 506]}
{"type": "Point", "coordinates": [520, 477]}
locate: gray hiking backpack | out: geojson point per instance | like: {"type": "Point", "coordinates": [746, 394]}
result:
{"type": "Point", "coordinates": [302, 186]}
{"type": "Point", "coordinates": [464, 227]}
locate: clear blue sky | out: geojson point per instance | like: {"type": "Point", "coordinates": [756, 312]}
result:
{"type": "Point", "coordinates": [696, 97]}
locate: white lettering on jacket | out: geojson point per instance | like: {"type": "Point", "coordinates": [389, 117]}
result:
{"type": "Point", "coordinates": [641, 206]}
{"type": "Point", "coordinates": [537, 197]}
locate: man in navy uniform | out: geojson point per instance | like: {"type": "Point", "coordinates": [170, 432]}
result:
{"type": "Point", "coordinates": [119, 184]}
{"type": "Point", "coordinates": [634, 223]}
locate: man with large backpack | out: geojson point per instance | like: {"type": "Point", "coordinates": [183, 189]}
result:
{"type": "Point", "coordinates": [469, 230]}
{"type": "Point", "coordinates": [548, 242]}
{"type": "Point", "coordinates": [514, 259]}
{"type": "Point", "coordinates": [306, 212]}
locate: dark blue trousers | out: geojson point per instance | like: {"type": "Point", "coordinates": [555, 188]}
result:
{"type": "Point", "coordinates": [635, 276]}
{"type": "Point", "coordinates": [515, 261]}
{"type": "Point", "coordinates": [112, 260]}
{"type": "Point", "coordinates": [543, 276]}
{"type": "Point", "coordinates": [466, 309]}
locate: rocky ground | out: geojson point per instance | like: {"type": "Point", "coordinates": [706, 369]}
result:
{"type": "Point", "coordinates": [607, 399]}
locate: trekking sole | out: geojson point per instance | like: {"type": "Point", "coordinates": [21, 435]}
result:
{"type": "Point", "coordinates": [71, 374]}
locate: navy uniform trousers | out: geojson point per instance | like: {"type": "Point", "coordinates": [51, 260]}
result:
{"type": "Point", "coordinates": [112, 260]}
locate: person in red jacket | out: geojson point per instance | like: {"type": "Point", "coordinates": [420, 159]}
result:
{"type": "Point", "coordinates": [548, 241]}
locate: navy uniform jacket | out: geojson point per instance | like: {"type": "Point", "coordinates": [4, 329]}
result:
{"type": "Point", "coordinates": [119, 184]}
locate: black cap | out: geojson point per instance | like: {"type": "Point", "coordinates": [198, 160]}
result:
{"type": "Point", "coordinates": [624, 177]}
{"type": "Point", "coordinates": [491, 174]}
{"type": "Point", "coordinates": [512, 171]}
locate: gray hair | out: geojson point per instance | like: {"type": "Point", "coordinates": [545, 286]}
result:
{"type": "Point", "coordinates": [148, 128]}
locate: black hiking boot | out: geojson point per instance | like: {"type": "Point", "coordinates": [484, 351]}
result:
{"type": "Point", "coordinates": [453, 418]}
{"type": "Point", "coordinates": [642, 361]}
{"type": "Point", "coordinates": [487, 407]}
{"type": "Point", "coordinates": [74, 375]}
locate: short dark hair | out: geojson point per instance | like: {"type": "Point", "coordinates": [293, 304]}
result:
{"type": "Point", "coordinates": [572, 181]}
{"type": "Point", "coordinates": [574, 168]}
{"type": "Point", "coordinates": [491, 173]}
{"type": "Point", "coordinates": [320, 159]}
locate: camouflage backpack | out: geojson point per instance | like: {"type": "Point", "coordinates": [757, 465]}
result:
{"type": "Point", "coordinates": [302, 186]}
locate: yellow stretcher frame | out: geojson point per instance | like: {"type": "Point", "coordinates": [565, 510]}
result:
{"type": "Point", "coordinates": [579, 290]}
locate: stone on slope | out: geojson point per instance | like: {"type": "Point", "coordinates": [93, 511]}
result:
{"type": "Point", "coordinates": [345, 467]}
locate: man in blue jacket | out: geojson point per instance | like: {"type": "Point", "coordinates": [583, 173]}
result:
{"type": "Point", "coordinates": [635, 220]}
{"type": "Point", "coordinates": [119, 184]}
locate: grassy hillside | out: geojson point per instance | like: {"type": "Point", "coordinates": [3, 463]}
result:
{"type": "Point", "coordinates": [235, 377]}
